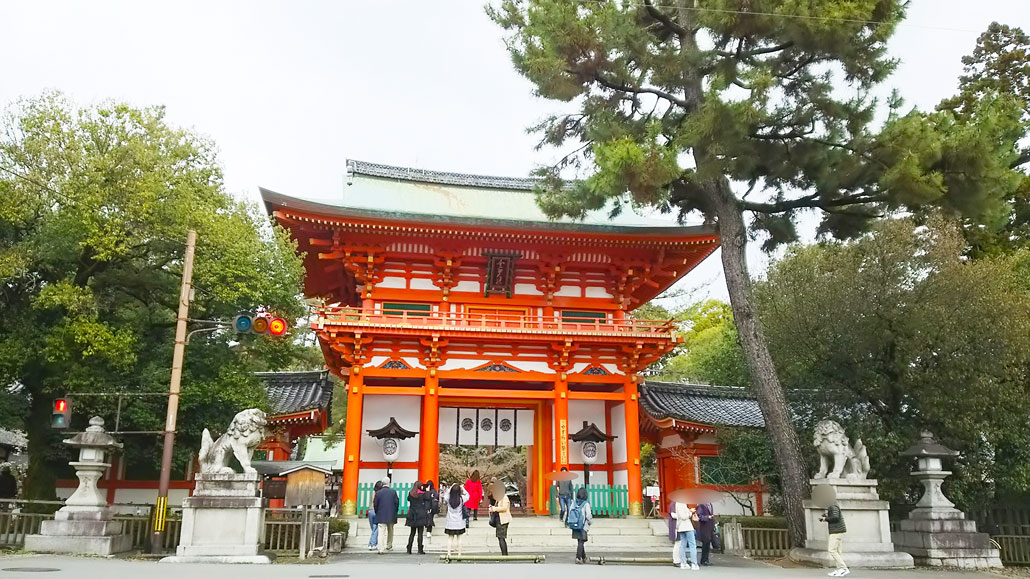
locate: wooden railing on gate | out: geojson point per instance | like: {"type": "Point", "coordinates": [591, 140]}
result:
{"type": "Point", "coordinates": [766, 543]}
{"type": "Point", "coordinates": [1015, 549]}
{"type": "Point", "coordinates": [365, 498]}
{"type": "Point", "coordinates": [605, 500]}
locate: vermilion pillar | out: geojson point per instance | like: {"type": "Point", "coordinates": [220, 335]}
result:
{"type": "Point", "coordinates": [352, 444]}
{"type": "Point", "coordinates": [561, 422]}
{"type": "Point", "coordinates": [636, 495]}
{"type": "Point", "coordinates": [429, 447]}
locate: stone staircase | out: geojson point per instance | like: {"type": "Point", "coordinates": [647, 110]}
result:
{"type": "Point", "coordinates": [535, 534]}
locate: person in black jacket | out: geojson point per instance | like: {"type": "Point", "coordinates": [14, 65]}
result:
{"type": "Point", "coordinates": [385, 504]}
{"type": "Point", "coordinates": [824, 496]}
{"type": "Point", "coordinates": [432, 499]}
{"type": "Point", "coordinates": [418, 514]}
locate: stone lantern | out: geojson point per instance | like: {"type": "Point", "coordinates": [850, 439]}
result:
{"type": "Point", "coordinates": [935, 532]}
{"type": "Point", "coordinates": [590, 437]}
{"type": "Point", "coordinates": [390, 437]}
{"type": "Point", "coordinates": [83, 525]}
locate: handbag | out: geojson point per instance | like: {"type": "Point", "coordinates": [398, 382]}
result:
{"type": "Point", "coordinates": [495, 519]}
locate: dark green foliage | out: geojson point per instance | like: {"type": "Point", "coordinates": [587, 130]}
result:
{"type": "Point", "coordinates": [97, 203]}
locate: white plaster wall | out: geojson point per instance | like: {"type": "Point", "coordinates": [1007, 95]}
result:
{"type": "Point", "coordinates": [707, 438]}
{"type": "Point", "coordinates": [620, 477]}
{"type": "Point", "coordinates": [527, 289]}
{"type": "Point", "coordinates": [671, 441]}
{"type": "Point", "coordinates": [468, 286]}
{"type": "Point", "coordinates": [421, 283]}
{"type": "Point", "coordinates": [618, 428]}
{"type": "Point", "coordinates": [392, 282]}
{"type": "Point", "coordinates": [376, 412]}
{"type": "Point", "coordinates": [597, 292]}
{"type": "Point", "coordinates": [400, 475]}
{"type": "Point", "coordinates": [613, 368]}
{"type": "Point", "coordinates": [727, 506]}
{"type": "Point", "coordinates": [591, 411]}
{"type": "Point", "coordinates": [146, 497]}
{"type": "Point", "coordinates": [569, 291]}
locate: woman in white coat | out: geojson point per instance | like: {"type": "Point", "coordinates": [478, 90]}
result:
{"type": "Point", "coordinates": [685, 517]}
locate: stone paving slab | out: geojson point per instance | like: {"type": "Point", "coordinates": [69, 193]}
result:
{"type": "Point", "coordinates": [370, 566]}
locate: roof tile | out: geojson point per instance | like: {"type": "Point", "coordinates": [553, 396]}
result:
{"type": "Point", "coordinates": [715, 405]}
{"type": "Point", "coordinates": [291, 392]}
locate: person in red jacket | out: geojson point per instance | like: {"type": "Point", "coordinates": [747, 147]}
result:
{"type": "Point", "coordinates": [474, 487]}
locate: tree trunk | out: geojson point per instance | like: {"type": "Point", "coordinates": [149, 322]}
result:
{"type": "Point", "coordinates": [771, 399]}
{"type": "Point", "coordinates": [40, 479]}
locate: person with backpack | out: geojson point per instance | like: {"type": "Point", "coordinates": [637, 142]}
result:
{"type": "Point", "coordinates": [564, 496]}
{"type": "Point", "coordinates": [579, 519]}
{"type": "Point", "coordinates": [418, 515]}
{"type": "Point", "coordinates": [432, 499]}
{"type": "Point", "coordinates": [685, 518]}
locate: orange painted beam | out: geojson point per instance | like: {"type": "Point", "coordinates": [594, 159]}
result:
{"type": "Point", "coordinates": [561, 424]}
{"type": "Point", "coordinates": [496, 394]}
{"type": "Point", "coordinates": [395, 390]}
{"type": "Point", "coordinates": [636, 495]}
{"type": "Point", "coordinates": [579, 395]}
{"type": "Point", "coordinates": [429, 443]}
{"type": "Point", "coordinates": [352, 444]}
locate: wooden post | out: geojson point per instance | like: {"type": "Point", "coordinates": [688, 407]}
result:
{"type": "Point", "coordinates": [636, 495]}
{"type": "Point", "coordinates": [561, 423]}
{"type": "Point", "coordinates": [429, 441]}
{"type": "Point", "coordinates": [352, 443]}
{"type": "Point", "coordinates": [178, 352]}
{"type": "Point", "coordinates": [303, 532]}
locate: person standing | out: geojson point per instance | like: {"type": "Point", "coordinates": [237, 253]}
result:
{"type": "Point", "coordinates": [578, 519]}
{"type": "Point", "coordinates": [685, 518]}
{"type": "Point", "coordinates": [474, 488]}
{"type": "Point", "coordinates": [705, 530]}
{"type": "Point", "coordinates": [501, 509]}
{"type": "Point", "coordinates": [417, 516]}
{"type": "Point", "coordinates": [454, 520]}
{"type": "Point", "coordinates": [674, 537]}
{"type": "Point", "coordinates": [373, 538]}
{"type": "Point", "coordinates": [386, 503]}
{"type": "Point", "coordinates": [835, 538]}
{"type": "Point", "coordinates": [564, 496]}
{"type": "Point", "coordinates": [432, 499]}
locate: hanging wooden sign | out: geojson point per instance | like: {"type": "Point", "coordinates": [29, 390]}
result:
{"type": "Point", "coordinates": [500, 273]}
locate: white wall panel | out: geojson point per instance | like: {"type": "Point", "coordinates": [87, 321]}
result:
{"type": "Point", "coordinates": [597, 292]}
{"type": "Point", "coordinates": [618, 428]}
{"type": "Point", "coordinates": [527, 289]}
{"type": "Point", "coordinates": [377, 411]}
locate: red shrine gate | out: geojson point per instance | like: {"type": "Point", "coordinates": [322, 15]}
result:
{"type": "Point", "coordinates": [448, 291]}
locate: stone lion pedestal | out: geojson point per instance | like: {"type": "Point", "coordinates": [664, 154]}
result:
{"type": "Point", "coordinates": [224, 520]}
{"type": "Point", "coordinates": [867, 544]}
{"type": "Point", "coordinates": [845, 468]}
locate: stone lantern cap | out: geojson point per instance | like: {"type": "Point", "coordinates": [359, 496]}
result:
{"type": "Point", "coordinates": [94, 437]}
{"type": "Point", "coordinates": [590, 433]}
{"type": "Point", "coordinates": [928, 447]}
{"type": "Point", "coordinates": [391, 430]}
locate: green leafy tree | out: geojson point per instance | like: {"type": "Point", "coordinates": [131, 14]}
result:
{"type": "Point", "coordinates": [733, 109]}
{"type": "Point", "coordinates": [999, 67]}
{"type": "Point", "coordinates": [709, 353]}
{"type": "Point", "coordinates": [97, 203]}
{"type": "Point", "coordinates": [898, 332]}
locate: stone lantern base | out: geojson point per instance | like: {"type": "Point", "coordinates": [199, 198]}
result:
{"type": "Point", "coordinates": [944, 538]}
{"type": "Point", "coordinates": [80, 533]}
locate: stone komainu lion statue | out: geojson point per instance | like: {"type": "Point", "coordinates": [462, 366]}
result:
{"type": "Point", "coordinates": [832, 444]}
{"type": "Point", "coordinates": [244, 434]}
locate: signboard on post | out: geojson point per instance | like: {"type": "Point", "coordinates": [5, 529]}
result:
{"type": "Point", "coordinates": [305, 486]}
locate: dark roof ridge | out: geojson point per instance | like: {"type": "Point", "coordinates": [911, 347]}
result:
{"type": "Point", "coordinates": [355, 167]}
{"type": "Point", "coordinates": [708, 389]}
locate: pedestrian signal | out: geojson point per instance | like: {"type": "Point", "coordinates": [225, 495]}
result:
{"type": "Point", "coordinates": [62, 415]}
{"type": "Point", "coordinates": [259, 324]}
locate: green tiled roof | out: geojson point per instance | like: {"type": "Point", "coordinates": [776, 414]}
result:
{"type": "Point", "coordinates": [383, 190]}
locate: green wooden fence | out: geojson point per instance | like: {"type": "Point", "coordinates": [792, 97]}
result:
{"type": "Point", "coordinates": [605, 500]}
{"type": "Point", "coordinates": [365, 497]}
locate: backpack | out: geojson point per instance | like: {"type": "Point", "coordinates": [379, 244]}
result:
{"type": "Point", "coordinates": [575, 520]}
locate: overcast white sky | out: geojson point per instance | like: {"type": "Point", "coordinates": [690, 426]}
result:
{"type": "Point", "coordinates": [289, 90]}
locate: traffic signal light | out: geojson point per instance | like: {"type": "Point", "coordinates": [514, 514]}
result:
{"type": "Point", "coordinates": [259, 324]}
{"type": "Point", "coordinates": [62, 415]}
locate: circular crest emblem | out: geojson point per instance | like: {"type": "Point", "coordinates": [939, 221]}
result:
{"type": "Point", "coordinates": [468, 424]}
{"type": "Point", "coordinates": [487, 425]}
{"type": "Point", "coordinates": [505, 424]}
{"type": "Point", "coordinates": [589, 450]}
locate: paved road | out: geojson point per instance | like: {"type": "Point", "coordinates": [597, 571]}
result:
{"type": "Point", "coordinates": [367, 566]}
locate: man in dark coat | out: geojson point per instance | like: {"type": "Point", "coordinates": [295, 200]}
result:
{"type": "Point", "coordinates": [705, 530]}
{"type": "Point", "coordinates": [385, 503]}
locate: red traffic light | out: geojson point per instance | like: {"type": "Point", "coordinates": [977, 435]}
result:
{"type": "Point", "coordinates": [60, 405]}
{"type": "Point", "coordinates": [277, 326]}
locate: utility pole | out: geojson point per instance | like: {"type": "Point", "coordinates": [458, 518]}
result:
{"type": "Point", "coordinates": [185, 291]}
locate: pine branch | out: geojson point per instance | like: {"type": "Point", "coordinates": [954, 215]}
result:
{"type": "Point", "coordinates": [639, 90]}
{"type": "Point", "coordinates": [664, 19]}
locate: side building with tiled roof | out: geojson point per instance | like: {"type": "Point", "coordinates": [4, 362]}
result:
{"type": "Point", "coordinates": [682, 421]}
